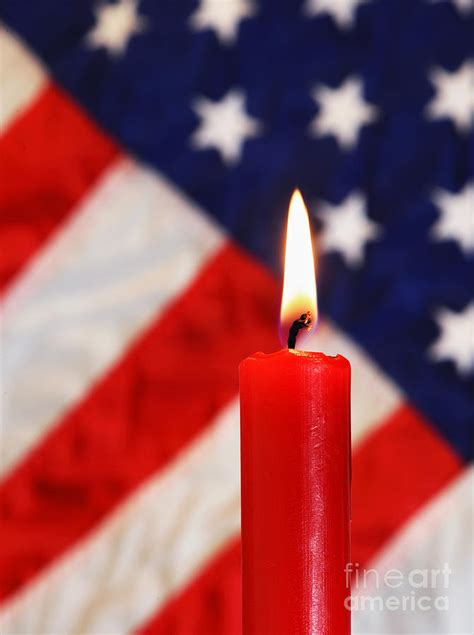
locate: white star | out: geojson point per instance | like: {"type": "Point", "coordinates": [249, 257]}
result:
{"type": "Point", "coordinates": [456, 340]}
{"type": "Point", "coordinates": [457, 217]}
{"type": "Point", "coordinates": [223, 16]}
{"type": "Point", "coordinates": [224, 125]}
{"type": "Point", "coordinates": [347, 228]}
{"type": "Point", "coordinates": [454, 95]}
{"type": "Point", "coordinates": [116, 23]}
{"type": "Point", "coordinates": [342, 11]}
{"type": "Point", "coordinates": [342, 112]}
{"type": "Point", "coordinates": [464, 6]}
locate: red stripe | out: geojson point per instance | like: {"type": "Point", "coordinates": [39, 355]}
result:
{"type": "Point", "coordinates": [49, 158]}
{"type": "Point", "coordinates": [210, 605]}
{"type": "Point", "coordinates": [162, 393]}
{"type": "Point", "coordinates": [395, 471]}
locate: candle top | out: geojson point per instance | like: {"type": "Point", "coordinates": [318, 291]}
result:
{"type": "Point", "coordinates": [288, 354]}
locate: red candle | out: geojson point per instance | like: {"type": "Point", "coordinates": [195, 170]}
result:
{"type": "Point", "coordinates": [295, 460]}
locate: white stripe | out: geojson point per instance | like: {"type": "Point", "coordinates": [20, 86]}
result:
{"type": "Point", "coordinates": [374, 395]}
{"type": "Point", "coordinates": [121, 575]}
{"type": "Point", "coordinates": [129, 249]}
{"type": "Point", "coordinates": [442, 533]}
{"type": "Point", "coordinates": [22, 77]}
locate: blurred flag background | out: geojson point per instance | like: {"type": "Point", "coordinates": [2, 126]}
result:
{"type": "Point", "coordinates": [149, 149]}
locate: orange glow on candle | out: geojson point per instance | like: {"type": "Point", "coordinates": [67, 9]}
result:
{"type": "Point", "coordinates": [299, 282]}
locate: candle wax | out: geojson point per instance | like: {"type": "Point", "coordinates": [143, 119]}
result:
{"type": "Point", "coordinates": [295, 471]}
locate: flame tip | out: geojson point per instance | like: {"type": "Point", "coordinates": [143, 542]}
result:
{"type": "Point", "coordinates": [296, 194]}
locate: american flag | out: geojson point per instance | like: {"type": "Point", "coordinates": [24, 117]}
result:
{"type": "Point", "coordinates": [148, 152]}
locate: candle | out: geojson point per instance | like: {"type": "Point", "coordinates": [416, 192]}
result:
{"type": "Point", "coordinates": [295, 468]}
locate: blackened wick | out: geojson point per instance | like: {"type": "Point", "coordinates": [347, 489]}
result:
{"type": "Point", "coordinates": [303, 322]}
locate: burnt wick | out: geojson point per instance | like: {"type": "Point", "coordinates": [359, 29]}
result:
{"type": "Point", "coordinates": [303, 322]}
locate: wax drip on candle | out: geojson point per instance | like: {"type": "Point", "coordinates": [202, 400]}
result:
{"type": "Point", "coordinates": [303, 322]}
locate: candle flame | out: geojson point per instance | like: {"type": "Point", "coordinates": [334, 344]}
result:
{"type": "Point", "coordinates": [299, 296]}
